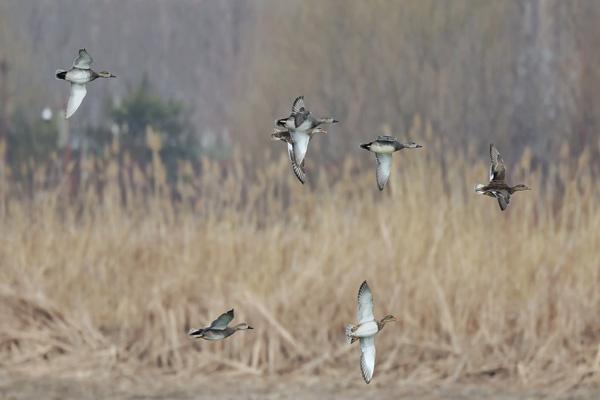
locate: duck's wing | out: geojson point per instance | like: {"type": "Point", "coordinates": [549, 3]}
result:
{"type": "Point", "coordinates": [384, 167]}
{"type": "Point", "coordinates": [503, 199]}
{"type": "Point", "coordinates": [365, 304]}
{"type": "Point", "coordinates": [298, 105]}
{"type": "Point", "coordinates": [367, 357]}
{"type": "Point", "coordinates": [78, 92]}
{"type": "Point", "coordinates": [223, 320]}
{"type": "Point", "coordinates": [298, 169]}
{"type": "Point", "coordinates": [386, 138]}
{"type": "Point", "coordinates": [497, 168]}
{"type": "Point", "coordinates": [300, 117]}
{"type": "Point", "coordinates": [83, 60]}
{"type": "Point", "coordinates": [300, 145]}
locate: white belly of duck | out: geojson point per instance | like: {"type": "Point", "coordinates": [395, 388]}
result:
{"type": "Point", "coordinates": [366, 329]}
{"type": "Point", "coordinates": [305, 125]}
{"type": "Point", "coordinates": [212, 335]}
{"type": "Point", "coordinates": [382, 148]}
{"type": "Point", "coordinates": [79, 76]}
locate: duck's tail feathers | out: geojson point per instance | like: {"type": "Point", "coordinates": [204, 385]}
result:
{"type": "Point", "coordinates": [61, 74]}
{"type": "Point", "coordinates": [349, 338]}
{"type": "Point", "coordinates": [479, 188]}
{"type": "Point", "coordinates": [196, 332]}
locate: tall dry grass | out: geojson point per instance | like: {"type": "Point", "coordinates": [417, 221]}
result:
{"type": "Point", "coordinates": [96, 287]}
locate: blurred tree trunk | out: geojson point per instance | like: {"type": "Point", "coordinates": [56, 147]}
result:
{"type": "Point", "coordinates": [3, 99]}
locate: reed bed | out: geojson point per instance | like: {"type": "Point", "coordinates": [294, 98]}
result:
{"type": "Point", "coordinates": [108, 281]}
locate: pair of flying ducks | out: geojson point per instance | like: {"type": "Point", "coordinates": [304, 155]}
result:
{"type": "Point", "coordinates": [300, 126]}
{"type": "Point", "coordinates": [364, 331]}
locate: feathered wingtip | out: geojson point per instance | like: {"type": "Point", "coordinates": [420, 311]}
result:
{"type": "Point", "coordinates": [349, 338]}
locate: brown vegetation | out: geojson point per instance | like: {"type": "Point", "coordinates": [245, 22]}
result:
{"type": "Point", "coordinates": [93, 285]}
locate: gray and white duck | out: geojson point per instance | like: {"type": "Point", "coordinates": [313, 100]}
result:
{"type": "Point", "coordinates": [383, 147]}
{"type": "Point", "coordinates": [285, 136]}
{"type": "Point", "coordinates": [365, 331]}
{"type": "Point", "coordinates": [219, 329]}
{"type": "Point", "coordinates": [300, 124]}
{"type": "Point", "coordinates": [497, 187]}
{"type": "Point", "coordinates": [79, 75]}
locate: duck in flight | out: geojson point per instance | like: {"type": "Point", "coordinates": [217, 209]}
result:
{"type": "Point", "coordinates": [383, 147]}
{"type": "Point", "coordinates": [285, 136]}
{"type": "Point", "coordinates": [78, 76]}
{"type": "Point", "coordinates": [301, 118]}
{"type": "Point", "coordinates": [219, 328]}
{"type": "Point", "coordinates": [301, 124]}
{"type": "Point", "coordinates": [497, 187]}
{"type": "Point", "coordinates": [365, 331]}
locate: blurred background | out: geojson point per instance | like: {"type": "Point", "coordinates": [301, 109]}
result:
{"type": "Point", "coordinates": [163, 201]}
{"type": "Point", "coordinates": [519, 73]}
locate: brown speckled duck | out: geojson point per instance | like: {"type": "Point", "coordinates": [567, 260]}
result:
{"type": "Point", "coordinates": [497, 187]}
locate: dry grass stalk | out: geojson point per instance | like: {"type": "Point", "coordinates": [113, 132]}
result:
{"type": "Point", "coordinates": [93, 284]}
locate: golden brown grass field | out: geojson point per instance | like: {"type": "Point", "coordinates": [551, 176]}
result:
{"type": "Point", "coordinates": [106, 283]}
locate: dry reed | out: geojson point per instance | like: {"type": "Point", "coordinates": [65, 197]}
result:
{"type": "Point", "coordinates": [99, 286]}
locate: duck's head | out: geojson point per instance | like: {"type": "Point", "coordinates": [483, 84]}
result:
{"type": "Point", "coordinates": [242, 327]}
{"type": "Point", "coordinates": [386, 319]}
{"type": "Point", "coordinates": [106, 74]}
{"type": "Point", "coordinates": [520, 187]}
{"type": "Point", "coordinates": [412, 145]}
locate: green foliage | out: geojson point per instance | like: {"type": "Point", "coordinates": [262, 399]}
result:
{"type": "Point", "coordinates": [140, 110]}
{"type": "Point", "coordinates": [30, 140]}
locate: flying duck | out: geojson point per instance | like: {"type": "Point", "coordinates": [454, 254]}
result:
{"type": "Point", "coordinates": [301, 118]}
{"type": "Point", "coordinates": [285, 136]}
{"type": "Point", "coordinates": [365, 331]}
{"type": "Point", "coordinates": [383, 147]}
{"type": "Point", "coordinates": [300, 123]}
{"type": "Point", "coordinates": [79, 75]}
{"type": "Point", "coordinates": [497, 187]}
{"type": "Point", "coordinates": [218, 329]}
